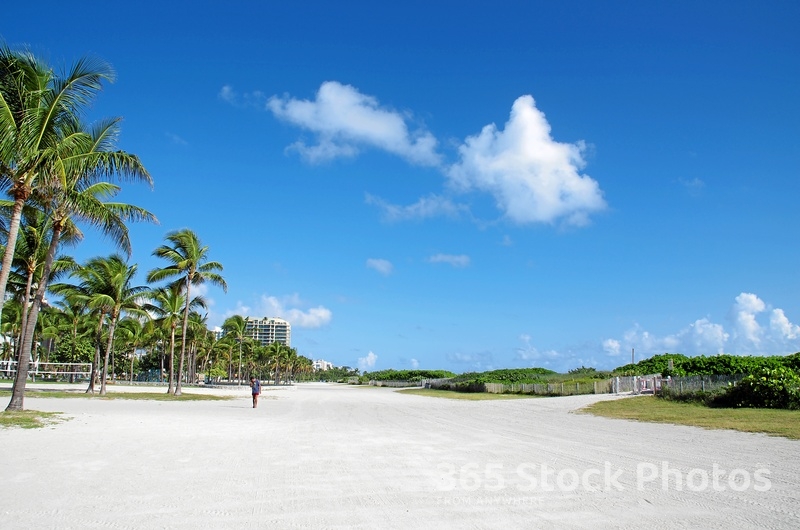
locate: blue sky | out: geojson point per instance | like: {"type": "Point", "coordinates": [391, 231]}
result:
{"type": "Point", "coordinates": [465, 185]}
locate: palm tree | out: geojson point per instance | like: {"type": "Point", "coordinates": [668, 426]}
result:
{"type": "Point", "coordinates": [76, 192]}
{"type": "Point", "coordinates": [291, 361]}
{"type": "Point", "coordinates": [167, 307]}
{"type": "Point", "coordinates": [279, 353]}
{"type": "Point", "coordinates": [187, 259]}
{"type": "Point", "coordinates": [11, 327]}
{"type": "Point", "coordinates": [226, 345]}
{"type": "Point", "coordinates": [31, 254]}
{"type": "Point", "coordinates": [34, 105]}
{"type": "Point", "coordinates": [108, 281]}
{"type": "Point", "coordinates": [105, 285]}
{"type": "Point", "coordinates": [76, 323]}
{"type": "Point", "coordinates": [169, 304]}
{"type": "Point", "coordinates": [198, 333]}
{"type": "Point", "coordinates": [132, 331]}
{"type": "Point", "coordinates": [235, 326]}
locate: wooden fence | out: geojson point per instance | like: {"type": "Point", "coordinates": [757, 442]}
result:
{"type": "Point", "coordinates": [642, 384]}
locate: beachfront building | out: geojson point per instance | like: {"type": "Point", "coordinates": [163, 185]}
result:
{"type": "Point", "coordinates": [268, 330]}
{"type": "Point", "coordinates": [319, 364]}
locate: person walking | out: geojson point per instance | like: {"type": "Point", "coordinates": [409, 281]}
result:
{"type": "Point", "coordinates": [255, 386]}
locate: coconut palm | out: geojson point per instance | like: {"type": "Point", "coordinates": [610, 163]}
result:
{"type": "Point", "coordinates": [168, 304]}
{"type": "Point", "coordinates": [108, 280]}
{"type": "Point", "coordinates": [31, 254]}
{"type": "Point", "coordinates": [235, 327]}
{"type": "Point", "coordinates": [226, 346]}
{"type": "Point", "coordinates": [95, 317]}
{"type": "Point", "coordinates": [11, 328]}
{"type": "Point", "coordinates": [279, 353]}
{"type": "Point", "coordinates": [76, 324]}
{"type": "Point", "coordinates": [132, 332]}
{"type": "Point", "coordinates": [105, 285]}
{"type": "Point", "coordinates": [189, 265]}
{"type": "Point", "coordinates": [198, 335]}
{"type": "Point", "coordinates": [34, 105]}
{"type": "Point", "coordinates": [76, 193]}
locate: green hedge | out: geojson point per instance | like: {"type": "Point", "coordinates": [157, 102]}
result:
{"type": "Point", "coordinates": [712, 365]}
{"type": "Point", "coordinates": [407, 375]}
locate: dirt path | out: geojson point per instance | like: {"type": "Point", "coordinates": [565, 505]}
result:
{"type": "Point", "coordinates": [324, 456]}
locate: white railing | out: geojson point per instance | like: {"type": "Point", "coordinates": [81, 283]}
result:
{"type": "Point", "coordinates": [36, 368]}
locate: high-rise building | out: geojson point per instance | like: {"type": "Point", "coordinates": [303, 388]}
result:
{"type": "Point", "coordinates": [268, 330]}
{"type": "Point", "coordinates": [320, 364]}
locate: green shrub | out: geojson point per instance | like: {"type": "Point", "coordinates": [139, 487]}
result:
{"type": "Point", "coordinates": [506, 376]}
{"type": "Point", "coordinates": [724, 364]}
{"type": "Point", "coordinates": [407, 375]}
{"type": "Point", "coordinates": [771, 388]}
{"type": "Point", "coordinates": [69, 350]}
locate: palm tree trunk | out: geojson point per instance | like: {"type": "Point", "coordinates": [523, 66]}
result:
{"type": "Point", "coordinates": [96, 359]}
{"type": "Point", "coordinates": [18, 392]}
{"type": "Point", "coordinates": [183, 338]}
{"type": "Point", "coordinates": [133, 356]}
{"type": "Point", "coordinates": [171, 360]}
{"type": "Point", "coordinates": [20, 197]}
{"type": "Point", "coordinates": [112, 325]}
{"type": "Point", "coordinates": [26, 301]}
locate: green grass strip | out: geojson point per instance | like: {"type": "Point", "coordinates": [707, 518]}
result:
{"type": "Point", "coordinates": [774, 422]}
{"type": "Point", "coordinates": [29, 419]}
{"type": "Point", "coordinates": [111, 395]}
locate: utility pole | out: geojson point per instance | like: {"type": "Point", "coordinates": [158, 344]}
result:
{"type": "Point", "coordinates": [633, 361]}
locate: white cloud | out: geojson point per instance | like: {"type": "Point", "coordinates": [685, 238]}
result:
{"type": "Point", "coordinates": [455, 260]}
{"type": "Point", "coordinates": [754, 330]}
{"type": "Point", "coordinates": [781, 325]}
{"type": "Point", "coordinates": [426, 207]}
{"type": "Point", "coordinates": [368, 362]}
{"type": "Point", "coordinates": [227, 94]}
{"type": "Point", "coordinates": [345, 120]}
{"type": "Point", "coordinates": [611, 347]}
{"type": "Point", "coordinates": [477, 360]}
{"type": "Point", "coordinates": [694, 186]}
{"type": "Point", "coordinates": [381, 265]}
{"type": "Point", "coordinates": [531, 355]}
{"type": "Point", "coordinates": [290, 308]}
{"type": "Point", "coordinates": [744, 312]}
{"type": "Point", "coordinates": [313, 317]}
{"type": "Point", "coordinates": [702, 336]}
{"type": "Point", "coordinates": [532, 178]}
{"type": "Point", "coordinates": [247, 99]}
{"type": "Point", "coordinates": [414, 364]}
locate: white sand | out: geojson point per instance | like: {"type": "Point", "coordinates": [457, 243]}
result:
{"type": "Point", "coordinates": [327, 456]}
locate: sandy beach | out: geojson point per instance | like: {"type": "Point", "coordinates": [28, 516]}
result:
{"type": "Point", "coordinates": [332, 456]}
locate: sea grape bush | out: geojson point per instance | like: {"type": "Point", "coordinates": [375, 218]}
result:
{"type": "Point", "coordinates": [407, 375]}
{"type": "Point", "coordinates": [772, 388]}
{"type": "Point", "coordinates": [588, 373]}
{"type": "Point", "coordinates": [711, 365]}
{"type": "Point", "coordinates": [506, 376]}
